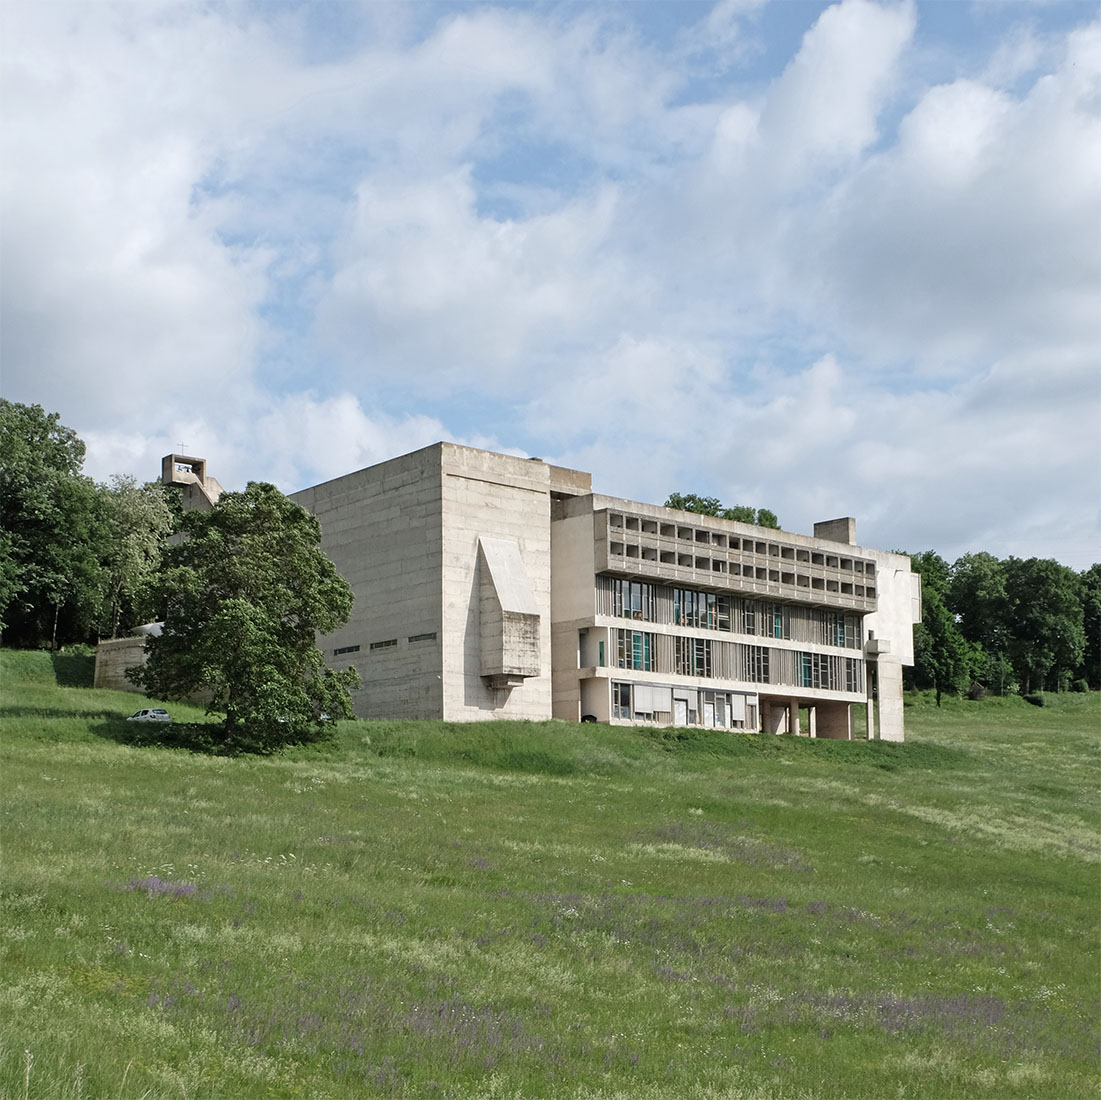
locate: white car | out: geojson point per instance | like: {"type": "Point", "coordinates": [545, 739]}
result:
{"type": "Point", "coordinates": [151, 714]}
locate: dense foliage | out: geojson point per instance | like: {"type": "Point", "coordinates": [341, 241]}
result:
{"type": "Point", "coordinates": [712, 506]}
{"type": "Point", "coordinates": [52, 530]}
{"type": "Point", "coordinates": [75, 556]}
{"type": "Point", "coordinates": [1005, 626]}
{"type": "Point", "coordinates": [244, 596]}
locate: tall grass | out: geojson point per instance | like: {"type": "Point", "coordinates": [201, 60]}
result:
{"type": "Point", "coordinates": [541, 909]}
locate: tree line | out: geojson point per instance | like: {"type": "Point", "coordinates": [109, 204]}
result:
{"type": "Point", "coordinates": [76, 556]}
{"type": "Point", "coordinates": [242, 593]}
{"type": "Point", "coordinates": [1006, 626]}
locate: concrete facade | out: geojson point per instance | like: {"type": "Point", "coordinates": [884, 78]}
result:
{"type": "Point", "coordinates": [448, 552]}
{"type": "Point", "coordinates": [113, 658]}
{"type": "Point", "coordinates": [490, 586]}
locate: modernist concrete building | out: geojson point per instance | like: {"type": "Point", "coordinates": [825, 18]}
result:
{"type": "Point", "coordinates": [489, 586]}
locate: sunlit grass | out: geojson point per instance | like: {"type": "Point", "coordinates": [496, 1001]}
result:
{"type": "Point", "coordinates": [538, 909]}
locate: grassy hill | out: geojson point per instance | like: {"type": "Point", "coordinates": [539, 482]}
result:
{"type": "Point", "coordinates": [546, 910]}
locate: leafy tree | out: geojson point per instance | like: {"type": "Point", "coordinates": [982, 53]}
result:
{"type": "Point", "coordinates": [246, 593]}
{"type": "Point", "coordinates": [138, 521]}
{"type": "Point", "coordinates": [691, 502]}
{"type": "Point", "coordinates": [53, 523]}
{"type": "Point", "coordinates": [712, 506]}
{"type": "Point", "coordinates": [1045, 610]}
{"type": "Point", "coordinates": [943, 658]}
{"type": "Point", "coordinates": [977, 595]}
{"type": "Point", "coordinates": [1090, 592]}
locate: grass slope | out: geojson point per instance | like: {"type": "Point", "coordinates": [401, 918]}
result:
{"type": "Point", "coordinates": [540, 909]}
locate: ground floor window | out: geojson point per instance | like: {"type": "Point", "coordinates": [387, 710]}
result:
{"type": "Point", "coordinates": [681, 706]}
{"type": "Point", "coordinates": [621, 700]}
{"type": "Point", "coordinates": [727, 710]}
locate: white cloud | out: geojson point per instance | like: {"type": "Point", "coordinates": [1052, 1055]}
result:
{"type": "Point", "coordinates": [430, 285]}
{"type": "Point", "coordinates": [978, 233]}
{"type": "Point", "coordinates": [302, 239]}
{"type": "Point", "coordinates": [319, 439]}
{"type": "Point", "coordinates": [822, 112]}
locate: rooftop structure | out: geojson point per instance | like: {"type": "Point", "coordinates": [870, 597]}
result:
{"type": "Point", "coordinates": [199, 489]}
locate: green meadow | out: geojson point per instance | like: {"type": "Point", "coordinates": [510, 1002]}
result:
{"type": "Point", "coordinates": [547, 910]}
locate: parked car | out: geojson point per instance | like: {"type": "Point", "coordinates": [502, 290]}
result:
{"type": "Point", "coordinates": [151, 714]}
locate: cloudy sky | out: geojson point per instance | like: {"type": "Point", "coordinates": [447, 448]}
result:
{"type": "Point", "coordinates": [830, 259]}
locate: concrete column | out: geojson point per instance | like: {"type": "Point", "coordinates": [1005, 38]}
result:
{"type": "Point", "coordinates": [871, 670]}
{"type": "Point", "coordinates": [793, 717]}
{"type": "Point", "coordinates": [773, 717]}
{"type": "Point", "coordinates": [812, 720]}
{"type": "Point", "coordinates": [890, 700]}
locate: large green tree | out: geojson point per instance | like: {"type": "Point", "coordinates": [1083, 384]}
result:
{"type": "Point", "coordinates": [977, 597]}
{"type": "Point", "coordinates": [1045, 609]}
{"type": "Point", "coordinates": [977, 594]}
{"type": "Point", "coordinates": [943, 659]}
{"type": "Point", "coordinates": [245, 595]}
{"type": "Point", "coordinates": [712, 506]}
{"type": "Point", "coordinates": [1090, 590]}
{"type": "Point", "coordinates": [138, 520]}
{"type": "Point", "coordinates": [52, 531]}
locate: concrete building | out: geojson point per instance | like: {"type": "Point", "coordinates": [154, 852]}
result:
{"type": "Point", "coordinates": [489, 586]}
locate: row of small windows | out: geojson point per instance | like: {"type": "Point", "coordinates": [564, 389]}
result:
{"type": "Point", "coordinates": [388, 643]}
{"type": "Point", "coordinates": [660, 603]}
{"type": "Point", "coordinates": [753, 573]}
{"type": "Point", "coordinates": [712, 659]}
{"type": "Point", "coordinates": [723, 541]}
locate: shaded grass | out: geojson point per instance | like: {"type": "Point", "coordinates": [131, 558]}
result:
{"type": "Point", "coordinates": [545, 910]}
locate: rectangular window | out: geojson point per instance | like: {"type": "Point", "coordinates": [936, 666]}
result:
{"type": "Point", "coordinates": [852, 674]}
{"type": "Point", "coordinates": [686, 607]}
{"type": "Point", "coordinates": [757, 664]}
{"type": "Point", "coordinates": [692, 656]}
{"type": "Point", "coordinates": [635, 649]}
{"type": "Point", "coordinates": [429, 637]}
{"type": "Point", "coordinates": [838, 629]}
{"type": "Point", "coordinates": [706, 610]}
{"type": "Point", "coordinates": [632, 600]}
{"type": "Point", "coordinates": [722, 613]}
{"type": "Point", "coordinates": [388, 644]}
{"type": "Point", "coordinates": [749, 618]}
{"type": "Point", "coordinates": [345, 649]}
{"type": "Point", "coordinates": [621, 700]}
{"type": "Point", "coordinates": [815, 670]}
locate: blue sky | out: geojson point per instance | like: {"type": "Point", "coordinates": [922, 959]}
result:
{"type": "Point", "coordinates": [829, 259]}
